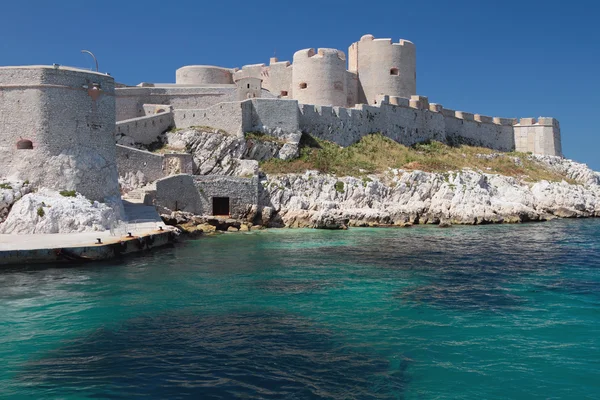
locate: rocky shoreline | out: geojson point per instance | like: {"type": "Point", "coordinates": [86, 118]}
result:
{"type": "Point", "coordinates": [316, 200]}
{"type": "Point", "coordinates": [403, 198]}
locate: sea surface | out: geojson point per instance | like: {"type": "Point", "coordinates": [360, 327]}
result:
{"type": "Point", "coordinates": [487, 312]}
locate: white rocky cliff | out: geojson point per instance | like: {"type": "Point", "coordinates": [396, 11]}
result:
{"type": "Point", "coordinates": [409, 197]}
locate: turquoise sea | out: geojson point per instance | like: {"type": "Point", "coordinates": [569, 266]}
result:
{"type": "Point", "coordinates": [487, 312]}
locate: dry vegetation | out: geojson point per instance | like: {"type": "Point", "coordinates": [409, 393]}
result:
{"type": "Point", "coordinates": [375, 154]}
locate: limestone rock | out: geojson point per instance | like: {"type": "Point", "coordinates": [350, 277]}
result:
{"type": "Point", "coordinates": [402, 197]}
{"type": "Point", "coordinates": [10, 192]}
{"type": "Point", "coordinates": [46, 211]}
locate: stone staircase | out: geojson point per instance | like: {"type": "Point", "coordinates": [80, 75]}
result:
{"type": "Point", "coordinates": [144, 195]}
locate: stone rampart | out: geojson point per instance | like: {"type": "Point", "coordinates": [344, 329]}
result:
{"type": "Point", "coordinates": [58, 129]}
{"type": "Point", "coordinates": [346, 126]}
{"type": "Point", "coordinates": [147, 129]}
{"type": "Point", "coordinates": [278, 118]}
{"type": "Point", "coordinates": [234, 118]}
{"type": "Point", "coordinates": [478, 130]}
{"type": "Point", "coordinates": [130, 100]}
{"type": "Point", "coordinates": [134, 161]}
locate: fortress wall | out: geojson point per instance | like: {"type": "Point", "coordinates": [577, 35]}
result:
{"type": "Point", "coordinates": [134, 161]}
{"type": "Point", "coordinates": [69, 116]}
{"type": "Point", "coordinates": [346, 126]}
{"type": "Point", "coordinates": [146, 130]}
{"type": "Point", "coordinates": [539, 136]}
{"type": "Point", "coordinates": [234, 118]}
{"type": "Point", "coordinates": [203, 75]}
{"type": "Point", "coordinates": [130, 101]}
{"type": "Point", "coordinates": [320, 78]}
{"type": "Point", "coordinates": [275, 117]}
{"type": "Point", "coordinates": [463, 128]}
{"type": "Point", "coordinates": [152, 109]}
{"type": "Point", "coordinates": [383, 67]}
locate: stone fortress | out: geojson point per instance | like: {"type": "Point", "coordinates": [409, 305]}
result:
{"type": "Point", "coordinates": [59, 125]}
{"type": "Point", "coordinates": [332, 98]}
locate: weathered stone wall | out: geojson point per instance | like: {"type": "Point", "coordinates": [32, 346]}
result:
{"type": "Point", "coordinates": [275, 117]}
{"type": "Point", "coordinates": [69, 117]}
{"type": "Point", "coordinates": [479, 130]}
{"type": "Point", "coordinates": [134, 161]}
{"type": "Point", "coordinates": [242, 193]}
{"type": "Point", "coordinates": [179, 193]}
{"type": "Point", "coordinates": [146, 130]}
{"type": "Point", "coordinates": [345, 126]}
{"type": "Point", "coordinates": [195, 193]}
{"type": "Point", "coordinates": [130, 100]}
{"type": "Point", "coordinates": [234, 118]}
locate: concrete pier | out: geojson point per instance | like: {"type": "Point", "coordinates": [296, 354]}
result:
{"type": "Point", "coordinates": [142, 230]}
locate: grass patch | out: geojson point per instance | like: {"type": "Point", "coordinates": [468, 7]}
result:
{"type": "Point", "coordinates": [262, 137]}
{"type": "Point", "coordinates": [68, 193]}
{"type": "Point", "coordinates": [376, 153]}
{"type": "Point", "coordinates": [339, 186]}
{"type": "Point", "coordinates": [5, 186]}
{"type": "Point", "coordinates": [41, 212]}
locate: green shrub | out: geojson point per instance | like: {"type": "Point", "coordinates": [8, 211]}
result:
{"type": "Point", "coordinates": [339, 186]}
{"type": "Point", "coordinates": [68, 193]}
{"type": "Point", "coordinates": [40, 212]}
{"type": "Point", "coordinates": [5, 186]}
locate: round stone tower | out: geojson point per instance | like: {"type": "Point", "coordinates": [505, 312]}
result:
{"type": "Point", "coordinates": [320, 78]}
{"type": "Point", "coordinates": [203, 75]}
{"type": "Point", "coordinates": [383, 67]}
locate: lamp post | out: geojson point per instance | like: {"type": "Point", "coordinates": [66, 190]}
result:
{"type": "Point", "coordinates": [93, 56]}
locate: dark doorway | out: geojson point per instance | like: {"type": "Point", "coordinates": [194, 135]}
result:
{"type": "Point", "coordinates": [220, 205]}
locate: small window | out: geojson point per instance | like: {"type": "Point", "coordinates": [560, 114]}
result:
{"type": "Point", "coordinates": [394, 71]}
{"type": "Point", "coordinates": [248, 86]}
{"type": "Point", "coordinates": [303, 85]}
{"type": "Point", "coordinates": [284, 93]}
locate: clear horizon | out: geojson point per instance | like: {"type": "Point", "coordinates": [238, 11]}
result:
{"type": "Point", "coordinates": [514, 59]}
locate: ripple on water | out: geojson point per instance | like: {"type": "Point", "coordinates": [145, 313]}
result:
{"type": "Point", "coordinates": [254, 355]}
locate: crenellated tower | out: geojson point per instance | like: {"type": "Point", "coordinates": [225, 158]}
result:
{"type": "Point", "coordinates": [320, 78]}
{"type": "Point", "coordinates": [383, 68]}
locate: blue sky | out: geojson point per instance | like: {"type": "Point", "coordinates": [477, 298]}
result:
{"type": "Point", "coordinates": [499, 58]}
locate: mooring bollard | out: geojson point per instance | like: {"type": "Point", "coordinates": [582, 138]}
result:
{"type": "Point", "coordinates": [98, 241]}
